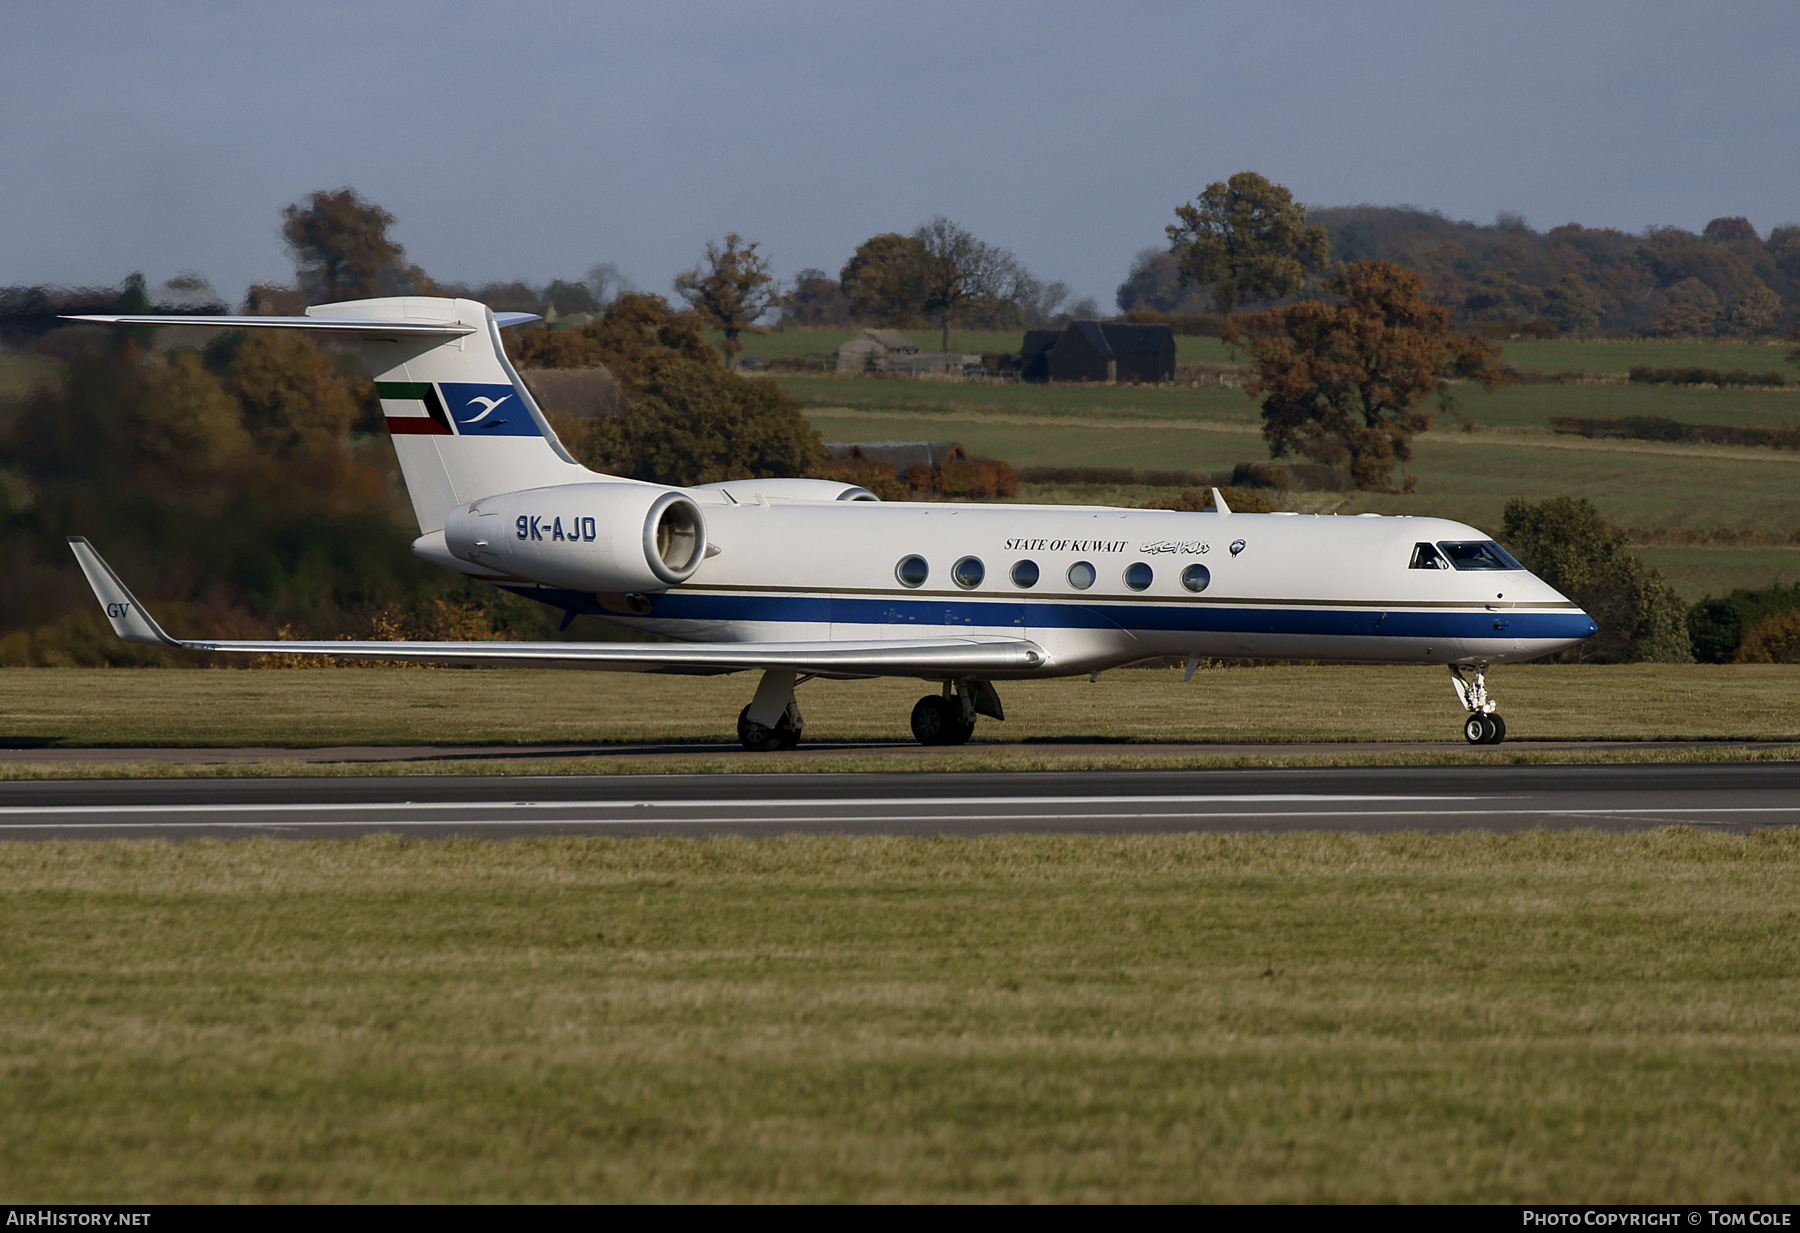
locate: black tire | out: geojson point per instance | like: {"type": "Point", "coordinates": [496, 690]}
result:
{"type": "Point", "coordinates": [1477, 730]}
{"type": "Point", "coordinates": [786, 735]}
{"type": "Point", "coordinates": [1499, 726]}
{"type": "Point", "coordinates": [755, 737]}
{"type": "Point", "coordinates": [933, 721]}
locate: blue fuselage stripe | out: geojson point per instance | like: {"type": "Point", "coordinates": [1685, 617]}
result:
{"type": "Point", "coordinates": [946, 614]}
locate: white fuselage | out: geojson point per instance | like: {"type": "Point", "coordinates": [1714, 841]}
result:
{"type": "Point", "coordinates": [1296, 587]}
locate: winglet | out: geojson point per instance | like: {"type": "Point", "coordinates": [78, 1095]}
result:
{"type": "Point", "coordinates": [1219, 504]}
{"type": "Point", "coordinates": [129, 620]}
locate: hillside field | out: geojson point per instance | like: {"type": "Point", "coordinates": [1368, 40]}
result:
{"type": "Point", "coordinates": [1719, 517]}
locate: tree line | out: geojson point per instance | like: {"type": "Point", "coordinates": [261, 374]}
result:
{"type": "Point", "coordinates": [214, 459]}
{"type": "Point", "coordinates": [1506, 278]}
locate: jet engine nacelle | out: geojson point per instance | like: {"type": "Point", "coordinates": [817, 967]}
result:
{"type": "Point", "coordinates": [609, 538]}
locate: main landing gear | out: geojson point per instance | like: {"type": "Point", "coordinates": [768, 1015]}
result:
{"type": "Point", "coordinates": [772, 720]}
{"type": "Point", "coordinates": [1483, 726]}
{"type": "Point", "coordinates": [949, 718]}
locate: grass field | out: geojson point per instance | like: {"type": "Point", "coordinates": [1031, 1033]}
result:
{"type": "Point", "coordinates": [1513, 406]}
{"type": "Point", "coordinates": [1527, 355]}
{"type": "Point", "coordinates": [1705, 493]}
{"type": "Point", "coordinates": [344, 706]}
{"type": "Point", "coordinates": [1535, 1018]}
{"type": "Point", "coordinates": [1584, 355]}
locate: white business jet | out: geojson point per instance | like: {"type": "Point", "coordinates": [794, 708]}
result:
{"type": "Point", "coordinates": [804, 578]}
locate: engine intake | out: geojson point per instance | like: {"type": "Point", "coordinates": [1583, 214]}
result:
{"type": "Point", "coordinates": [605, 538]}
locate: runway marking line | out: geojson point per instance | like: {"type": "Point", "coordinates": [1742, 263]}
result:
{"type": "Point", "coordinates": [1631, 815]}
{"type": "Point", "coordinates": [748, 803]}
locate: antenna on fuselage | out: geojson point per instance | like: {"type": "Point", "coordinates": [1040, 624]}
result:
{"type": "Point", "coordinates": [1219, 504]}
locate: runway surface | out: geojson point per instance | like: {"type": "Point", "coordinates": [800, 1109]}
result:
{"type": "Point", "coordinates": [1729, 796]}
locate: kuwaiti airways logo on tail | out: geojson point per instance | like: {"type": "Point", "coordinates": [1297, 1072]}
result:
{"type": "Point", "coordinates": [487, 410]}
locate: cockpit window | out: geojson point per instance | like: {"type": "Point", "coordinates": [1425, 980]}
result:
{"type": "Point", "coordinates": [1478, 554]}
{"type": "Point", "coordinates": [1427, 557]}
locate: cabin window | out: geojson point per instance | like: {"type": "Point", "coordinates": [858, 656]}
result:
{"type": "Point", "coordinates": [1196, 577]}
{"type": "Point", "coordinates": [1025, 574]}
{"type": "Point", "coordinates": [912, 571]}
{"type": "Point", "coordinates": [1139, 575]}
{"type": "Point", "coordinates": [968, 573]}
{"type": "Point", "coordinates": [1081, 575]}
{"type": "Point", "coordinates": [1478, 554]}
{"type": "Point", "coordinates": [1427, 557]}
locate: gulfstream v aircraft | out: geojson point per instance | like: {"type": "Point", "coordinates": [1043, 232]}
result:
{"type": "Point", "coordinates": [801, 578]}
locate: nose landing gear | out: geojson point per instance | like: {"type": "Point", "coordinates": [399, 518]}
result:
{"type": "Point", "coordinates": [1483, 726]}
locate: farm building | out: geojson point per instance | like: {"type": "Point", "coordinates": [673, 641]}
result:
{"type": "Point", "coordinates": [900, 455]}
{"type": "Point", "coordinates": [893, 352]}
{"type": "Point", "coordinates": [1099, 351]}
{"type": "Point", "coordinates": [874, 349]}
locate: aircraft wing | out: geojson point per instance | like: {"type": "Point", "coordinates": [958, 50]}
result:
{"type": "Point", "coordinates": [923, 656]}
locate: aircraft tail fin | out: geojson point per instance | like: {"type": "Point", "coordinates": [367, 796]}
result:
{"type": "Point", "coordinates": [463, 423]}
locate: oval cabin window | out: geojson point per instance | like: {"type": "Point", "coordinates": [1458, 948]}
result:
{"type": "Point", "coordinates": [912, 571]}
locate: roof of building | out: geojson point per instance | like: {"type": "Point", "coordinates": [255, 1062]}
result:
{"type": "Point", "coordinates": [897, 454]}
{"type": "Point", "coordinates": [1112, 338]}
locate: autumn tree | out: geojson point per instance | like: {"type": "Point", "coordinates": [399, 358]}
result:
{"type": "Point", "coordinates": [636, 337]}
{"type": "Point", "coordinates": [568, 298]}
{"type": "Point", "coordinates": [292, 398]}
{"type": "Point", "coordinates": [185, 419]}
{"type": "Point", "coordinates": [1155, 282]}
{"type": "Point", "coordinates": [939, 273]}
{"type": "Point", "coordinates": [1750, 312]}
{"type": "Point", "coordinates": [1572, 304]}
{"type": "Point", "coordinates": [884, 280]}
{"type": "Point", "coordinates": [1690, 308]}
{"type": "Point", "coordinates": [1344, 382]}
{"type": "Point", "coordinates": [729, 290]}
{"type": "Point", "coordinates": [699, 424]}
{"type": "Point", "coordinates": [342, 250]}
{"type": "Point", "coordinates": [1246, 237]}
{"type": "Point", "coordinates": [817, 299]}
{"type": "Point", "coordinates": [960, 272]}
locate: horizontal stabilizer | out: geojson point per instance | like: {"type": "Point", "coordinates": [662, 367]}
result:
{"type": "Point", "coordinates": [920, 657]}
{"type": "Point", "coordinates": [341, 325]}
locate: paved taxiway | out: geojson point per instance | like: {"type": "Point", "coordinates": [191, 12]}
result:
{"type": "Point", "coordinates": [1731, 796]}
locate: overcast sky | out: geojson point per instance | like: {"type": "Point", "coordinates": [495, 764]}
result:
{"type": "Point", "coordinates": [534, 138]}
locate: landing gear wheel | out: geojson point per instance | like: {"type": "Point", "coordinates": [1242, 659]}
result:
{"type": "Point", "coordinates": [939, 721]}
{"type": "Point", "coordinates": [1481, 729]}
{"type": "Point", "coordinates": [758, 739]}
